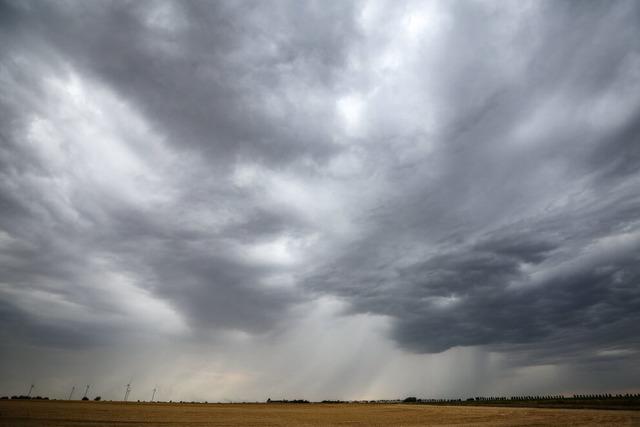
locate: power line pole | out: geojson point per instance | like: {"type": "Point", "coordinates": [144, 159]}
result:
{"type": "Point", "coordinates": [71, 394]}
{"type": "Point", "coordinates": [86, 390]}
{"type": "Point", "coordinates": [127, 391]}
{"type": "Point", "coordinates": [30, 390]}
{"type": "Point", "coordinates": [154, 394]}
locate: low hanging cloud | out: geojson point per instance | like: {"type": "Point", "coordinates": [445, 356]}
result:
{"type": "Point", "coordinates": [452, 174]}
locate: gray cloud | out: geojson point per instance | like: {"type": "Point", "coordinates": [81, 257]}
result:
{"type": "Point", "coordinates": [459, 175]}
{"type": "Point", "coordinates": [526, 177]}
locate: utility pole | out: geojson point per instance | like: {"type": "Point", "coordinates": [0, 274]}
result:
{"type": "Point", "coordinates": [30, 390]}
{"type": "Point", "coordinates": [127, 391]}
{"type": "Point", "coordinates": [86, 390]}
{"type": "Point", "coordinates": [71, 394]}
{"type": "Point", "coordinates": [154, 394]}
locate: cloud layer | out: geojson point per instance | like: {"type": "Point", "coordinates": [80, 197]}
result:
{"type": "Point", "coordinates": [457, 177]}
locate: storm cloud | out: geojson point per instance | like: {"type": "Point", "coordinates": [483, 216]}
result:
{"type": "Point", "coordinates": [345, 183]}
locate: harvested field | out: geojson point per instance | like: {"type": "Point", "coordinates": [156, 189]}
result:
{"type": "Point", "coordinates": [97, 414]}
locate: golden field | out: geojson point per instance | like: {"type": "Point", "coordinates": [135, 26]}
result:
{"type": "Point", "coordinates": [99, 414]}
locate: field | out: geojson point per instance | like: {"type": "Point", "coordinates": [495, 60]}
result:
{"type": "Point", "coordinates": [98, 414]}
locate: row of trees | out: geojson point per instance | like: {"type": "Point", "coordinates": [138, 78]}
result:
{"type": "Point", "coordinates": [288, 401]}
{"type": "Point", "coordinates": [607, 396]}
{"type": "Point", "coordinates": [602, 396]}
{"type": "Point", "coordinates": [24, 397]}
{"type": "Point", "coordinates": [559, 397]}
{"type": "Point", "coordinates": [489, 399]}
{"type": "Point", "coordinates": [486, 399]}
{"type": "Point", "coordinates": [416, 400]}
{"type": "Point", "coordinates": [517, 398]}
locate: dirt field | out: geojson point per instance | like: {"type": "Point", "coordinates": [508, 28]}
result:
{"type": "Point", "coordinates": [63, 413]}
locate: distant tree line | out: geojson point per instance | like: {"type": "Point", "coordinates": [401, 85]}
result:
{"type": "Point", "coordinates": [601, 396]}
{"type": "Point", "coordinates": [486, 399]}
{"type": "Point", "coordinates": [525, 398]}
{"type": "Point", "coordinates": [597, 399]}
{"type": "Point", "coordinates": [288, 401]}
{"type": "Point", "coordinates": [23, 397]}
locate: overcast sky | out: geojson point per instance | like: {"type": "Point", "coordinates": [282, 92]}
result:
{"type": "Point", "coordinates": [322, 200]}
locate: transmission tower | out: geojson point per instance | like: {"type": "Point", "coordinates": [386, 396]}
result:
{"type": "Point", "coordinates": [86, 390]}
{"type": "Point", "coordinates": [30, 390]}
{"type": "Point", "coordinates": [154, 394]}
{"type": "Point", "coordinates": [127, 391]}
{"type": "Point", "coordinates": [71, 394]}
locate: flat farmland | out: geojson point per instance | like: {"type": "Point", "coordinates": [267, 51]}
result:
{"type": "Point", "coordinates": [96, 414]}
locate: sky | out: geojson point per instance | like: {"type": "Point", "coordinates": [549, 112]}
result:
{"type": "Point", "coordinates": [242, 200]}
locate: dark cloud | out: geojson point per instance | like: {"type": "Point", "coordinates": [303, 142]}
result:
{"type": "Point", "coordinates": [191, 170]}
{"type": "Point", "coordinates": [486, 238]}
{"type": "Point", "coordinates": [241, 97]}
